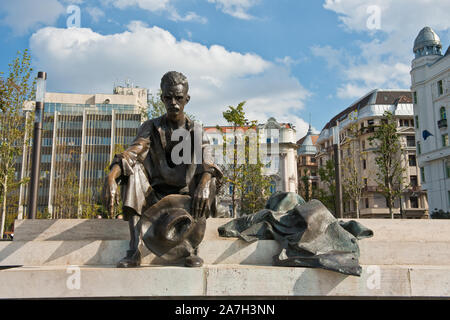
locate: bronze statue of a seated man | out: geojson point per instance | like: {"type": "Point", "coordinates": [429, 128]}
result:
{"type": "Point", "coordinates": [166, 202]}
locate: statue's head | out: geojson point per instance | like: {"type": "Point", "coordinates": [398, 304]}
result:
{"type": "Point", "coordinates": [174, 94]}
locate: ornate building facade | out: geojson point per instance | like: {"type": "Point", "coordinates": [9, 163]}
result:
{"type": "Point", "coordinates": [277, 140]}
{"type": "Point", "coordinates": [366, 114]}
{"type": "Point", "coordinates": [307, 166]}
{"type": "Point", "coordinates": [430, 84]}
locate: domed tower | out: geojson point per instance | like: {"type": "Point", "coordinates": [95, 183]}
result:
{"type": "Point", "coordinates": [427, 50]}
{"type": "Point", "coordinates": [427, 43]}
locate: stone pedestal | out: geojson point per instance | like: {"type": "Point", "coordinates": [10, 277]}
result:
{"type": "Point", "coordinates": [405, 258]}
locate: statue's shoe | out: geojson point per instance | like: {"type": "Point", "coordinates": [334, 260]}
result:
{"type": "Point", "coordinates": [193, 262]}
{"type": "Point", "coordinates": [132, 260]}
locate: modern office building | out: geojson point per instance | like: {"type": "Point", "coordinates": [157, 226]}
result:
{"type": "Point", "coordinates": [277, 140]}
{"type": "Point", "coordinates": [81, 133]}
{"type": "Point", "coordinates": [430, 84]}
{"type": "Point", "coordinates": [307, 166]}
{"type": "Point", "coordinates": [367, 113]}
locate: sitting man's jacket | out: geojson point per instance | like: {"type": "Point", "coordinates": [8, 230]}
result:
{"type": "Point", "coordinates": [148, 172]}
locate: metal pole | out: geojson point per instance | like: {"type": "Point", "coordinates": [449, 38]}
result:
{"type": "Point", "coordinates": [36, 151]}
{"type": "Point", "coordinates": [337, 163]}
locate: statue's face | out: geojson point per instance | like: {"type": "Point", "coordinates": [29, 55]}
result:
{"type": "Point", "coordinates": [174, 99]}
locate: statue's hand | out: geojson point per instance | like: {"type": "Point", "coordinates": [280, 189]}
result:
{"type": "Point", "coordinates": [110, 187]}
{"type": "Point", "coordinates": [201, 196]}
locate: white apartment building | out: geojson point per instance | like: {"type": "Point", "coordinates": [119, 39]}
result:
{"type": "Point", "coordinates": [367, 113]}
{"type": "Point", "coordinates": [430, 84]}
{"type": "Point", "coordinates": [280, 155]}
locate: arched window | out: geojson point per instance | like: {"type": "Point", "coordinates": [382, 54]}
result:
{"type": "Point", "coordinates": [443, 113]}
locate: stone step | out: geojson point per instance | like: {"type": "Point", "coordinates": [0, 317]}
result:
{"type": "Point", "coordinates": [228, 251]}
{"type": "Point", "coordinates": [222, 280]}
{"type": "Point", "coordinates": [105, 229]}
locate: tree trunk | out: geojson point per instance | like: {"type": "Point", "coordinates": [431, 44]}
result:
{"type": "Point", "coordinates": [391, 212]}
{"type": "Point", "coordinates": [5, 191]}
{"type": "Point", "coordinates": [357, 209]}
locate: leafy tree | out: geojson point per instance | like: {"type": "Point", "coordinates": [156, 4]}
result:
{"type": "Point", "coordinates": [15, 89]}
{"type": "Point", "coordinates": [254, 187]}
{"type": "Point", "coordinates": [156, 107]}
{"type": "Point", "coordinates": [236, 117]}
{"type": "Point", "coordinates": [327, 176]}
{"type": "Point", "coordinates": [304, 188]}
{"type": "Point", "coordinates": [67, 198]}
{"type": "Point", "coordinates": [390, 174]}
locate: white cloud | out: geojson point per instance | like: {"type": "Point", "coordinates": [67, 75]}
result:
{"type": "Point", "coordinates": [384, 59]}
{"type": "Point", "coordinates": [25, 15]}
{"type": "Point", "coordinates": [236, 8]}
{"type": "Point", "coordinates": [150, 5]}
{"type": "Point", "coordinates": [95, 13]}
{"type": "Point", "coordinates": [157, 6]}
{"type": "Point", "coordinates": [83, 61]}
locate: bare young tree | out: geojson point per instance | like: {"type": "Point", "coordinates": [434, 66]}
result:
{"type": "Point", "coordinates": [353, 180]}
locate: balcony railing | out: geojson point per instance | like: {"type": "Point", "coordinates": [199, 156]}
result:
{"type": "Point", "coordinates": [442, 123]}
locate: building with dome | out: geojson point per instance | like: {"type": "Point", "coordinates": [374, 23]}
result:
{"type": "Point", "coordinates": [430, 84]}
{"type": "Point", "coordinates": [307, 166]}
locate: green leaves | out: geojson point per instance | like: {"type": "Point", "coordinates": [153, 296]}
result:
{"type": "Point", "coordinates": [390, 175]}
{"type": "Point", "coordinates": [16, 88]}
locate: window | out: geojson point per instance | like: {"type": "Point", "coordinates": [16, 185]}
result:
{"type": "Point", "coordinates": [445, 140]}
{"type": "Point", "coordinates": [417, 122]}
{"type": "Point", "coordinates": [321, 162]}
{"type": "Point", "coordinates": [273, 187]}
{"type": "Point", "coordinates": [440, 87]}
{"type": "Point", "coordinates": [443, 113]}
{"type": "Point", "coordinates": [370, 122]}
{"type": "Point", "coordinates": [413, 181]}
{"type": "Point", "coordinates": [419, 151]}
{"type": "Point", "coordinates": [367, 202]}
{"type": "Point", "coordinates": [415, 97]}
{"type": "Point", "coordinates": [313, 160]}
{"type": "Point", "coordinates": [414, 202]}
{"type": "Point", "coordinates": [363, 145]}
{"type": "Point", "coordinates": [304, 160]}
{"type": "Point", "coordinates": [365, 182]}
{"type": "Point", "coordinates": [410, 141]}
{"type": "Point", "coordinates": [364, 164]}
{"type": "Point", "coordinates": [447, 169]}
{"type": "Point", "coordinates": [412, 160]}
{"type": "Point", "coordinates": [231, 189]}
{"type": "Point", "coordinates": [422, 174]}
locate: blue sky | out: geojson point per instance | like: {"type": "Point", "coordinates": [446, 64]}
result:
{"type": "Point", "coordinates": [286, 58]}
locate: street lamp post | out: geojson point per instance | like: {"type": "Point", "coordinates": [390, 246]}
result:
{"type": "Point", "coordinates": [337, 163]}
{"type": "Point", "coordinates": [36, 151]}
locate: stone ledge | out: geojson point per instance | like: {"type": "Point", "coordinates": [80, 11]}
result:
{"type": "Point", "coordinates": [79, 229]}
{"type": "Point", "coordinates": [226, 251]}
{"type": "Point", "coordinates": [224, 280]}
